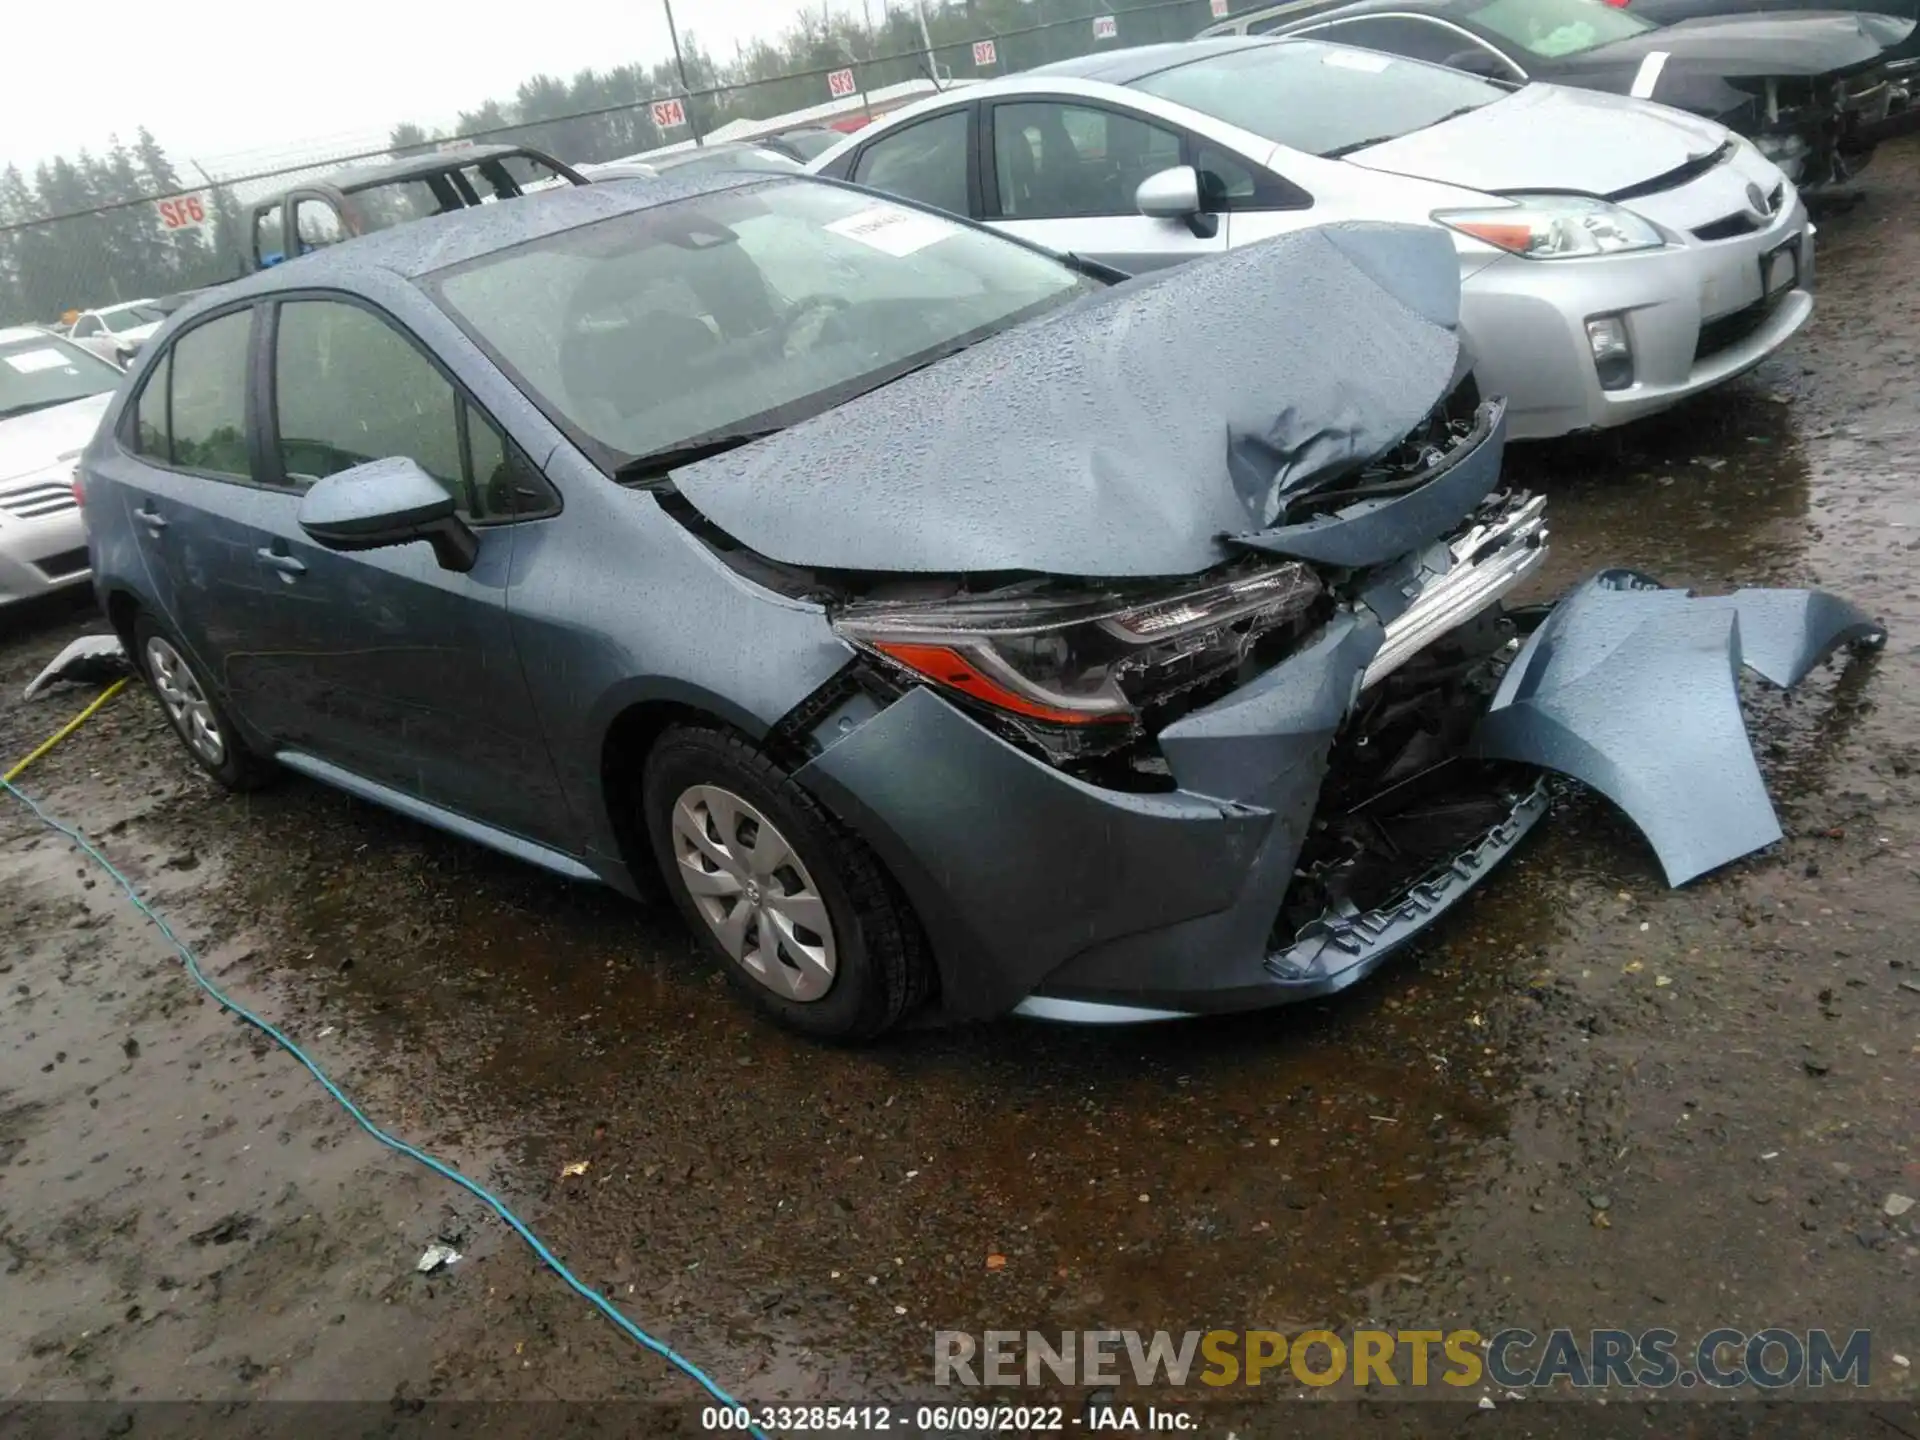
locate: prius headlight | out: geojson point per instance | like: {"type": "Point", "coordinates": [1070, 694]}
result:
{"type": "Point", "coordinates": [1555, 227]}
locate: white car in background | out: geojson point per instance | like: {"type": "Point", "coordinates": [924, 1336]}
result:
{"type": "Point", "coordinates": [116, 332]}
{"type": "Point", "coordinates": [1616, 257]}
{"type": "Point", "coordinates": [52, 395]}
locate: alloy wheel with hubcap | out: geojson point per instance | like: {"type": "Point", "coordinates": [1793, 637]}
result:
{"type": "Point", "coordinates": [752, 889]}
{"type": "Point", "coordinates": [185, 702]}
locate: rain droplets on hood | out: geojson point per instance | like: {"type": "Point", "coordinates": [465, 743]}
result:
{"type": "Point", "coordinates": [1123, 435]}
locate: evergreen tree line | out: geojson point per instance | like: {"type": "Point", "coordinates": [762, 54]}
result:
{"type": "Point", "coordinates": [111, 250]}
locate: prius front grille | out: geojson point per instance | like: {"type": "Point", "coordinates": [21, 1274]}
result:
{"type": "Point", "coordinates": [35, 502]}
{"type": "Point", "coordinates": [1731, 330]}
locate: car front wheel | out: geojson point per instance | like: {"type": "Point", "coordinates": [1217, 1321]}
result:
{"type": "Point", "coordinates": [797, 910]}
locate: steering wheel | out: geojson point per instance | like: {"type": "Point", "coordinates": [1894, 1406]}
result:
{"type": "Point", "coordinates": [813, 320]}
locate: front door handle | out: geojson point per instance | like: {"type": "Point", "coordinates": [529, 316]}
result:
{"type": "Point", "coordinates": [152, 519]}
{"type": "Point", "coordinates": [285, 564]}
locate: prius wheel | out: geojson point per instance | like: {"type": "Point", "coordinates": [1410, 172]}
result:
{"type": "Point", "coordinates": [797, 910]}
{"type": "Point", "coordinates": [203, 727]}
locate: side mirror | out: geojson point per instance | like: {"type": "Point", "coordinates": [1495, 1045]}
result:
{"type": "Point", "coordinates": [388, 502]}
{"type": "Point", "coordinates": [1174, 194]}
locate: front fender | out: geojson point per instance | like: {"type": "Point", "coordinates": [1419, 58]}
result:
{"type": "Point", "coordinates": [1632, 689]}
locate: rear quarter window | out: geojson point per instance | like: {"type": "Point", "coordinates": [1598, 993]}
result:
{"type": "Point", "coordinates": [150, 428]}
{"type": "Point", "coordinates": [209, 396]}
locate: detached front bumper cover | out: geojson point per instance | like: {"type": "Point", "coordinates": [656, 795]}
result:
{"type": "Point", "coordinates": [1631, 689]}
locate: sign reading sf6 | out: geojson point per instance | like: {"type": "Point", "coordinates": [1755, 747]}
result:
{"type": "Point", "coordinates": [182, 212]}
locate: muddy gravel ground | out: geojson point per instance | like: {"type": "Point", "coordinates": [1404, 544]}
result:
{"type": "Point", "coordinates": [1588, 1101]}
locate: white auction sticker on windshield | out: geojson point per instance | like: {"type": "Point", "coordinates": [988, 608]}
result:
{"type": "Point", "coordinates": [29, 362]}
{"type": "Point", "coordinates": [893, 229]}
{"type": "Point", "coordinates": [1356, 60]}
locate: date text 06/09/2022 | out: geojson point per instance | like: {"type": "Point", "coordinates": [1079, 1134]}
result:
{"type": "Point", "coordinates": [945, 1419]}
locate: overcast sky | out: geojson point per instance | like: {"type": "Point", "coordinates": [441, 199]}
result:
{"type": "Point", "coordinates": [219, 80]}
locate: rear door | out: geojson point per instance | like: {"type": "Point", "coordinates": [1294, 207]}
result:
{"type": "Point", "coordinates": [189, 479]}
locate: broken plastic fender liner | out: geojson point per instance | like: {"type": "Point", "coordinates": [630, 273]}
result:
{"type": "Point", "coordinates": [1632, 690]}
{"type": "Point", "coordinates": [1785, 633]}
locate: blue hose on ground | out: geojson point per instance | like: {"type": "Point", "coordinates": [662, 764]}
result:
{"type": "Point", "coordinates": [473, 1187]}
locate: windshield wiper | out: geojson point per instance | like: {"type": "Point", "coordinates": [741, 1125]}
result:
{"type": "Point", "coordinates": [32, 405]}
{"type": "Point", "coordinates": [656, 463]}
{"type": "Point", "coordinates": [1340, 150]}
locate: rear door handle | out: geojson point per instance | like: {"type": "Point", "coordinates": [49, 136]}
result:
{"type": "Point", "coordinates": [152, 519]}
{"type": "Point", "coordinates": [285, 564]}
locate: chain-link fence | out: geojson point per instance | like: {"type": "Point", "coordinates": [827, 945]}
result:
{"type": "Point", "coordinates": [133, 226]}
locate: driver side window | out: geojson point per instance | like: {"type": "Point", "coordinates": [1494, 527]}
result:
{"type": "Point", "coordinates": [350, 388]}
{"type": "Point", "coordinates": [1052, 160]}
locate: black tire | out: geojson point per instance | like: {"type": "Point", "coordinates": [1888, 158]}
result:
{"type": "Point", "coordinates": [881, 968]}
{"type": "Point", "coordinates": [237, 767]}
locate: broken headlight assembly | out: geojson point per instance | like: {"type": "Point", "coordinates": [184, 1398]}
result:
{"type": "Point", "coordinates": [1076, 675]}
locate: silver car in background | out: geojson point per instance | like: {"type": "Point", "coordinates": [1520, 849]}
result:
{"type": "Point", "coordinates": [52, 395]}
{"type": "Point", "coordinates": [1616, 257]}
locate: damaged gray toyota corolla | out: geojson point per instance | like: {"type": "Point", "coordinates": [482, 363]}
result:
{"type": "Point", "coordinates": [953, 632]}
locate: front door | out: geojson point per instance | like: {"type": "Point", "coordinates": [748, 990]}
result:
{"type": "Point", "coordinates": [387, 664]}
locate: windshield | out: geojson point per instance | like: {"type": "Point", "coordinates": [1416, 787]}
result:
{"type": "Point", "coordinates": [1321, 98]}
{"type": "Point", "coordinates": [40, 371]}
{"type": "Point", "coordinates": [738, 311]}
{"type": "Point", "coordinates": [1551, 28]}
{"type": "Point", "coordinates": [811, 144]}
{"type": "Point", "coordinates": [131, 317]}
{"type": "Point", "coordinates": [732, 157]}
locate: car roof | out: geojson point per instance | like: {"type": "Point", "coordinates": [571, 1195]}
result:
{"type": "Point", "coordinates": [1124, 67]}
{"type": "Point", "coordinates": [438, 241]}
{"type": "Point", "coordinates": [11, 333]}
{"type": "Point", "coordinates": [415, 167]}
{"type": "Point", "coordinates": [1331, 8]}
{"type": "Point", "coordinates": [712, 147]}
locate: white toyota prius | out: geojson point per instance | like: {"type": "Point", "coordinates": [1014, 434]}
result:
{"type": "Point", "coordinates": [1616, 256]}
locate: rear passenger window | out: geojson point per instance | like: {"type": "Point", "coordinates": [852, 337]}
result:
{"type": "Point", "coordinates": [209, 396]}
{"type": "Point", "coordinates": [150, 416]}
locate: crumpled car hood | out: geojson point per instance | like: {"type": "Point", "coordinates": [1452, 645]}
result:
{"type": "Point", "coordinates": [1121, 436]}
